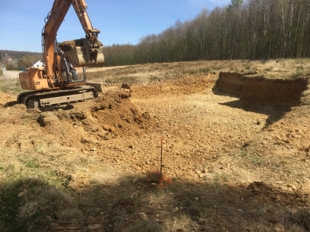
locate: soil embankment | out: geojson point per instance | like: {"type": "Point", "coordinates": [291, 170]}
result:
{"type": "Point", "coordinates": [192, 83]}
{"type": "Point", "coordinates": [258, 90]}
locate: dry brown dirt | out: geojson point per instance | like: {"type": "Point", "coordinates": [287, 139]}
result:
{"type": "Point", "coordinates": [236, 147]}
{"type": "Point", "coordinates": [68, 45]}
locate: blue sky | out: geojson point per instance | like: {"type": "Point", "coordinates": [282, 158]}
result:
{"type": "Point", "coordinates": [119, 21]}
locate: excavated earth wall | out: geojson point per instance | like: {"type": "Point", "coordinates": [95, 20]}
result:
{"type": "Point", "coordinates": [258, 90]}
{"type": "Point", "coordinates": [188, 84]}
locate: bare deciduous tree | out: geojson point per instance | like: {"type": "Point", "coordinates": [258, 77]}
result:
{"type": "Point", "coordinates": [249, 29]}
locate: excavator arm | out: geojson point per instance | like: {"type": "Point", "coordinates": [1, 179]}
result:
{"type": "Point", "coordinates": [80, 9]}
{"type": "Point", "coordinates": [89, 54]}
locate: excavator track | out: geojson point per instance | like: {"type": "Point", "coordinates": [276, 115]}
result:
{"type": "Point", "coordinates": [56, 97]}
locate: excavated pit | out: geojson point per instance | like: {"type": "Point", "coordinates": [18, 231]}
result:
{"type": "Point", "coordinates": [204, 142]}
{"type": "Point", "coordinates": [260, 91]}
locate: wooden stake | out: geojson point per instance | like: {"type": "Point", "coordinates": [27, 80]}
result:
{"type": "Point", "coordinates": [161, 157]}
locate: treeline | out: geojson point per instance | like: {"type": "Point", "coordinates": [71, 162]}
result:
{"type": "Point", "coordinates": [23, 63]}
{"type": "Point", "coordinates": [250, 29]}
{"type": "Point", "coordinates": [17, 54]}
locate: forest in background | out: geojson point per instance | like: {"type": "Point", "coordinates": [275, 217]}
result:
{"type": "Point", "coordinates": [20, 59]}
{"type": "Point", "coordinates": [18, 54]}
{"type": "Point", "coordinates": [249, 29]}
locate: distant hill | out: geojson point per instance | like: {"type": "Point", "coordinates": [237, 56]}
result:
{"type": "Point", "coordinates": [18, 54]}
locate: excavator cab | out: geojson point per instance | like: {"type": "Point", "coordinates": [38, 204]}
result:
{"type": "Point", "coordinates": [72, 74]}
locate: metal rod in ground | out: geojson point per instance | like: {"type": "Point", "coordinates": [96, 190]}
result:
{"type": "Point", "coordinates": [161, 158]}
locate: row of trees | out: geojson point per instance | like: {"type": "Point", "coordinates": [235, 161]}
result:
{"type": "Point", "coordinates": [22, 63]}
{"type": "Point", "coordinates": [253, 29]}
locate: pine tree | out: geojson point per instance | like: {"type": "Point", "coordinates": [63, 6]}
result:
{"type": "Point", "coordinates": [235, 4]}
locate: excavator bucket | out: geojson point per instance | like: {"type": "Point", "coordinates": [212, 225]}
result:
{"type": "Point", "coordinates": [80, 55]}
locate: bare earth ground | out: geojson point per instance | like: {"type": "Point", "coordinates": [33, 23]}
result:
{"type": "Point", "coordinates": [235, 165]}
{"type": "Point", "coordinates": [10, 74]}
{"type": "Point", "coordinates": [271, 69]}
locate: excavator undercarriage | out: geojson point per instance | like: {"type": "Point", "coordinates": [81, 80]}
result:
{"type": "Point", "coordinates": [56, 97]}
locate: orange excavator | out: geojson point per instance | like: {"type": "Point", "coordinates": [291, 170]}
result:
{"type": "Point", "coordinates": [63, 77]}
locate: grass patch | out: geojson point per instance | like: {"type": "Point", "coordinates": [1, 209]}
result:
{"type": "Point", "coordinates": [10, 86]}
{"type": "Point", "coordinates": [264, 61]}
{"type": "Point", "coordinates": [296, 75]}
{"type": "Point", "coordinates": [126, 79]}
{"type": "Point", "coordinates": [30, 164]}
{"type": "Point", "coordinates": [222, 177]}
{"type": "Point", "coordinates": [27, 204]}
{"type": "Point", "coordinates": [205, 70]}
{"type": "Point", "coordinates": [154, 78]}
{"type": "Point", "coordinates": [257, 161]}
{"type": "Point", "coordinates": [300, 68]}
{"type": "Point", "coordinates": [268, 69]}
{"type": "Point", "coordinates": [244, 154]}
{"type": "Point", "coordinates": [218, 67]}
{"type": "Point", "coordinates": [196, 71]}
{"type": "Point", "coordinates": [305, 101]}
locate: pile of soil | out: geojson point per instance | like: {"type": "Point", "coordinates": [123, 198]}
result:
{"type": "Point", "coordinates": [68, 45]}
{"type": "Point", "coordinates": [5, 98]}
{"type": "Point", "coordinates": [110, 115]}
{"type": "Point", "coordinates": [118, 115]}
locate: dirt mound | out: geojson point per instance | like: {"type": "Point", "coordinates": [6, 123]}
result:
{"type": "Point", "coordinates": [68, 45]}
{"type": "Point", "coordinates": [6, 98]}
{"type": "Point", "coordinates": [109, 116]}
{"type": "Point", "coordinates": [258, 90]}
{"type": "Point", "coordinates": [86, 125]}
{"type": "Point", "coordinates": [119, 116]}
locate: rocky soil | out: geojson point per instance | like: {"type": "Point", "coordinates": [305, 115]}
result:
{"type": "Point", "coordinates": [234, 164]}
